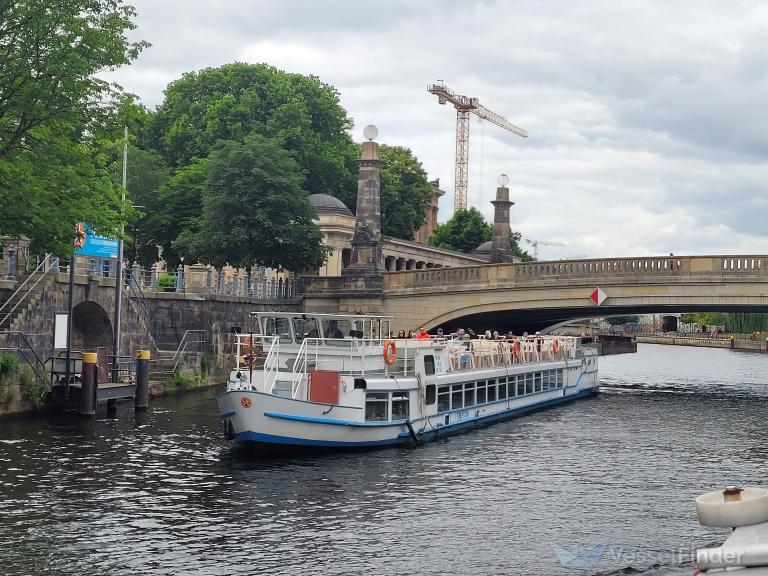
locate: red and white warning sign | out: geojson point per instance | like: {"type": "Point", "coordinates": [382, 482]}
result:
{"type": "Point", "coordinates": [598, 296]}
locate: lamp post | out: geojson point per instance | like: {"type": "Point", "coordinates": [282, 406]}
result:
{"type": "Point", "coordinates": [119, 267]}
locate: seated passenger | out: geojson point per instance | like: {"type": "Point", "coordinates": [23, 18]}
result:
{"type": "Point", "coordinates": [333, 330]}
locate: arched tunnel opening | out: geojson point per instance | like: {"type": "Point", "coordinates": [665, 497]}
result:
{"type": "Point", "coordinates": [91, 327]}
{"type": "Point", "coordinates": [545, 319]}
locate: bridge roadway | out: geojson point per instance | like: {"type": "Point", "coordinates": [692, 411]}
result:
{"type": "Point", "coordinates": [538, 295]}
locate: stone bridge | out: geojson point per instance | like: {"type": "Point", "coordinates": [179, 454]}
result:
{"type": "Point", "coordinates": [538, 295]}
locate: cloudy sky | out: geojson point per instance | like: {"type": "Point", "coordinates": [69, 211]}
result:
{"type": "Point", "coordinates": [647, 121]}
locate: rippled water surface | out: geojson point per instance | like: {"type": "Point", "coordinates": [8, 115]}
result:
{"type": "Point", "coordinates": [166, 494]}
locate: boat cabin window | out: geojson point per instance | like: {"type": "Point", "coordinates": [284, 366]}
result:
{"type": "Point", "coordinates": [469, 394]}
{"type": "Point", "coordinates": [376, 405]}
{"type": "Point", "coordinates": [429, 364]}
{"type": "Point", "coordinates": [503, 388]}
{"type": "Point", "coordinates": [560, 378]}
{"type": "Point", "coordinates": [456, 396]}
{"type": "Point", "coordinates": [443, 398]}
{"type": "Point", "coordinates": [306, 328]}
{"type": "Point", "coordinates": [491, 390]}
{"type": "Point", "coordinates": [400, 404]}
{"type": "Point", "coordinates": [336, 329]}
{"type": "Point", "coordinates": [430, 394]}
{"type": "Point", "coordinates": [278, 327]}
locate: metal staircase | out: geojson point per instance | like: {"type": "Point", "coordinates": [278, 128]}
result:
{"type": "Point", "coordinates": [27, 294]}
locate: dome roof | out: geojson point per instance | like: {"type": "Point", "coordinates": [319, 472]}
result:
{"type": "Point", "coordinates": [328, 203]}
{"type": "Point", "coordinates": [484, 248]}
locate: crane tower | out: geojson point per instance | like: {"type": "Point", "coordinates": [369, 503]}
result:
{"type": "Point", "coordinates": [464, 105]}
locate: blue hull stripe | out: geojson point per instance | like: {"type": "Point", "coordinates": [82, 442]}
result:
{"type": "Point", "coordinates": [404, 437]}
{"type": "Point", "coordinates": [332, 422]}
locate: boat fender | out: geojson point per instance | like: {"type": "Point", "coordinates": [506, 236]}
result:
{"type": "Point", "coordinates": [733, 507]}
{"type": "Point", "coordinates": [516, 348]}
{"type": "Point", "coordinates": [390, 352]}
{"type": "Point", "coordinates": [555, 346]}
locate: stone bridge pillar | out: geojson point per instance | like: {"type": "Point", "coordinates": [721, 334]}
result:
{"type": "Point", "coordinates": [501, 251]}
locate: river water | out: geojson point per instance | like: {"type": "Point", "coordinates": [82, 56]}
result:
{"type": "Point", "coordinates": [610, 479]}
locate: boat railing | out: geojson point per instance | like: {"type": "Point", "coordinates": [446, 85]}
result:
{"type": "Point", "coordinates": [474, 354]}
{"type": "Point", "coordinates": [272, 365]}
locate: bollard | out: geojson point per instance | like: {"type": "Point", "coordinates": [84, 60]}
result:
{"type": "Point", "coordinates": [87, 402]}
{"type": "Point", "coordinates": [142, 380]}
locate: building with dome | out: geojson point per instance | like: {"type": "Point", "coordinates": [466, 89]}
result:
{"type": "Point", "coordinates": [337, 223]}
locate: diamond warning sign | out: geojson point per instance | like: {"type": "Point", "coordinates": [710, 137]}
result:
{"type": "Point", "coordinates": [598, 296]}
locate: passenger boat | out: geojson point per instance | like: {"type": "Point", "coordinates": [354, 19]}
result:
{"type": "Point", "coordinates": [745, 552]}
{"type": "Point", "coordinates": [337, 381]}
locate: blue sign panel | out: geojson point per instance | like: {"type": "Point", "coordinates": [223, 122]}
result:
{"type": "Point", "coordinates": [95, 246]}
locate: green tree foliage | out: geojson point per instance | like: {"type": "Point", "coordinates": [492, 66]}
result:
{"type": "Point", "coordinates": [619, 320]}
{"type": "Point", "coordinates": [405, 192]}
{"type": "Point", "coordinates": [298, 112]}
{"type": "Point", "coordinates": [254, 210]}
{"type": "Point", "coordinates": [705, 318]}
{"type": "Point", "coordinates": [54, 162]}
{"type": "Point", "coordinates": [466, 230]}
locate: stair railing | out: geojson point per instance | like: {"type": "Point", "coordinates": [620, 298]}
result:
{"type": "Point", "coordinates": [140, 300]}
{"type": "Point", "coordinates": [27, 352]}
{"type": "Point", "coordinates": [186, 340]}
{"type": "Point", "coordinates": [49, 263]}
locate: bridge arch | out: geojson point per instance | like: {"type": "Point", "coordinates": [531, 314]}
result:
{"type": "Point", "coordinates": [91, 326]}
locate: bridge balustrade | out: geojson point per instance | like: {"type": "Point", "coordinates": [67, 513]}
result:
{"type": "Point", "coordinates": [532, 271]}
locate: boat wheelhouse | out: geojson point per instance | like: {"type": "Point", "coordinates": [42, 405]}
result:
{"type": "Point", "coordinates": [338, 381]}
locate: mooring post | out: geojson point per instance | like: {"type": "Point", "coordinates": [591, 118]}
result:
{"type": "Point", "coordinates": [87, 402]}
{"type": "Point", "coordinates": [142, 380]}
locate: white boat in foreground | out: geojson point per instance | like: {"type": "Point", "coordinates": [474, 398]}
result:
{"type": "Point", "coordinates": [332, 381]}
{"type": "Point", "coordinates": [745, 552]}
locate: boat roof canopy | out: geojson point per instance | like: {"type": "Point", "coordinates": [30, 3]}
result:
{"type": "Point", "coordinates": [318, 315]}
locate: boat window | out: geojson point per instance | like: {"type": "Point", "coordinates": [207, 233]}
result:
{"type": "Point", "coordinates": [481, 392]}
{"type": "Point", "coordinates": [560, 378]}
{"type": "Point", "coordinates": [503, 388]}
{"type": "Point", "coordinates": [306, 328]}
{"type": "Point", "coordinates": [443, 398]}
{"type": "Point", "coordinates": [520, 384]}
{"type": "Point", "coordinates": [336, 329]}
{"type": "Point", "coordinates": [469, 394]}
{"type": "Point", "coordinates": [545, 380]}
{"type": "Point", "coordinates": [537, 382]}
{"type": "Point", "coordinates": [491, 390]}
{"type": "Point", "coordinates": [457, 396]}
{"type": "Point", "coordinates": [400, 405]}
{"type": "Point", "coordinates": [429, 364]}
{"type": "Point", "coordinates": [529, 383]}
{"type": "Point", "coordinates": [376, 404]}
{"type": "Point", "coordinates": [429, 394]}
{"type": "Point", "coordinates": [278, 327]}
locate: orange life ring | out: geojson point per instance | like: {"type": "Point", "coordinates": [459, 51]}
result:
{"type": "Point", "coordinates": [390, 352]}
{"type": "Point", "coordinates": [516, 348]}
{"type": "Point", "coordinates": [555, 346]}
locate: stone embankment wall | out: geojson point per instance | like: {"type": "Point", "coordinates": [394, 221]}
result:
{"type": "Point", "coordinates": [706, 342]}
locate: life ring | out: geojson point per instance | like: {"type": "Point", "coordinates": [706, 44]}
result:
{"type": "Point", "coordinates": [516, 348]}
{"type": "Point", "coordinates": [555, 346]}
{"type": "Point", "coordinates": [390, 352]}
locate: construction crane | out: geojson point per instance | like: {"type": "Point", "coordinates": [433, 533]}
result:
{"type": "Point", "coordinates": [537, 243]}
{"type": "Point", "coordinates": [464, 105]}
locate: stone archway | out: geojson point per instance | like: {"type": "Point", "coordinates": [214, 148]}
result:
{"type": "Point", "coordinates": [91, 327]}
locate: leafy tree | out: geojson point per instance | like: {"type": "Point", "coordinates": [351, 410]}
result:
{"type": "Point", "coordinates": [54, 113]}
{"type": "Point", "coordinates": [705, 318]}
{"type": "Point", "coordinates": [405, 192]}
{"type": "Point", "coordinates": [466, 230]}
{"type": "Point", "coordinates": [254, 211]}
{"type": "Point", "coordinates": [50, 51]}
{"type": "Point", "coordinates": [619, 320]}
{"type": "Point", "coordinates": [298, 112]}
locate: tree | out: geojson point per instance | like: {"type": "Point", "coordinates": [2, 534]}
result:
{"type": "Point", "coordinates": [254, 211]}
{"type": "Point", "coordinates": [54, 160]}
{"type": "Point", "coordinates": [619, 320]}
{"type": "Point", "coordinates": [405, 192]}
{"type": "Point", "coordinates": [50, 51]}
{"type": "Point", "coordinates": [299, 113]}
{"type": "Point", "coordinates": [465, 231]}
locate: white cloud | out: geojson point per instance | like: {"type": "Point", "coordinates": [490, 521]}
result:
{"type": "Point", "coordinates": [648, 129]}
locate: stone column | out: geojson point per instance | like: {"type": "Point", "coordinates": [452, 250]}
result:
{"type": "Point", "coordinates": [366, 243]}
{"type": "Point", "coordinates": [501, 251]}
